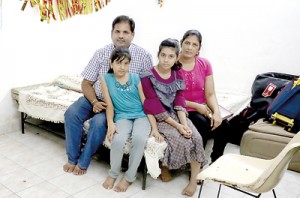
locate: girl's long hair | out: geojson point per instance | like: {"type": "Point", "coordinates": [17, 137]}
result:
{"type": "Point", "coordinates": [174, 44]}
{"type": "Point", "coordinates": [119, 54]}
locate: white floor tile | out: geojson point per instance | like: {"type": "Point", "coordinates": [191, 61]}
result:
{"type": "Point", "coordinates": [134, 188]}
{"type": "Point", "coordinates": [227, 192]}
{"type": "Point", "coordinates": [52, 149]}
{"type": "Point", "coordinates": [8, 166]}
{"type": "Point", "coordinates": [52, 137]}
{"type": "Point", "coordinates": [28, 157]}
{"type": "Point", "coordinates": [20, 180]}
{"type": "Point", "coordinates": [98, 170]}
{"type": "Point", "coordinates": [61, 158]}
{"type": "Point", "coordinates": [288, 189]}
{"type": "Point", "coordinates": [155, 191]}
{"type": "Point", "coordinates": [97, 191]}
{"type": "Point", "coordinates": [4, 192]}
{"type": "Point", "coordinates": [31, 166]}
{"type": "Point", "coordinates": [28, 138]}
{"type": "Point", "coordinates": [11, 147]}
{"type": "Point", "coordinates": [176, 185]}
{"type": "Point", "coordinates": [292, 177]}
{"type": "Point", "coordinates": [48, 169]}
{"type": "Point", "coordinates": [43, 190]}
{"type": "Point", "coordinates": [13, 196]}
{"type": "Point", "coordinates": [72, 183]}
{"type": "Point", "coordinates": [5, 139]}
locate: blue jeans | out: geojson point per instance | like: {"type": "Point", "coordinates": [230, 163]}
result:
{"type": "Point", "coordinates": [139, 129]}
{"type": "Point", "coordinates": [77, 113]}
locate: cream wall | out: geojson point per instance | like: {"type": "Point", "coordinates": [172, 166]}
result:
{"type": "Point", "coordinates": [240, 38]}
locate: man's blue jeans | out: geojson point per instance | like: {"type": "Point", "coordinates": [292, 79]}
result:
{"type": "Point", "coordinates": [77, 113]}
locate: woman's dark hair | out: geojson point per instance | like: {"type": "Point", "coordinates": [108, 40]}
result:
{"type": "Point", "coordinates": [119, 54]}
{"type": "Point", "coordinates": [192, 33]}
{"type": "Point", "coordinates": [174, 44]}
{"type": "Point", "coordinates": [126, 19]}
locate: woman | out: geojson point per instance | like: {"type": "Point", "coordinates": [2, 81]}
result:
{"type": "Point", "coordinates": [164, 104]}
{"type": "Point", "coordinates": [201, 101]}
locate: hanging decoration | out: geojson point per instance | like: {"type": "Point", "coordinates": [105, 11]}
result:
{"type": "Point", "coordinates": [67, 8]}
{"type": "Point", "coordinates": [64, 8]}
{"type": "Point", "coordinates": [160, 2]}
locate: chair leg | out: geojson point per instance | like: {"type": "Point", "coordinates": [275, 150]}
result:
{"type": "Point", "coordinates": [219, 191]}
{"type": "Point", "coordinates": [202, 182]}
{"type": "Point", "coordinates": [23, 117]}
{"type": "Point", "coordinates": [144, 174]}
{"type": "Point", "coordinates": [252, 195]}
{"type": "Point", "coordinates": [274, 193]}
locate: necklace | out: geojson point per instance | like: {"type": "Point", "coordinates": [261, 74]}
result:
{"type": "Point", "coordinates": [124, 86]}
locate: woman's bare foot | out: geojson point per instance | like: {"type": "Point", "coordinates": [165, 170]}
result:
{"type": "Point", "coordinates": [190, 189]}
{"type": "Point", "coordinates": [78, 171]}
{"type": "Point", "coordinates": [109, 182]}
{"type": "Point", "coordinates": [122, 185]}
{"type": "Point", "coordinates": [165, 174]}
{"type": "Point", "coordinates": [68, 167]}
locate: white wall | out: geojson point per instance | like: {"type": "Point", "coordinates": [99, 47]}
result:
{"type": "Point", "coordinates": [240, 38]}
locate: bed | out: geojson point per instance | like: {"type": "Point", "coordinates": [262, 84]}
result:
{"type": "Point", "coordinates": [48, 102]}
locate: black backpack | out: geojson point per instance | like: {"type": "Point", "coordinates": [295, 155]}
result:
{"type": "Point", "coordinates": [264, 89]}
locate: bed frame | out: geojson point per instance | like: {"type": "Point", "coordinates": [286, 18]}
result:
{"type": "Point", "coordinates": [232, 101]}
{"type": "Point", "coordinates": [58, 129]}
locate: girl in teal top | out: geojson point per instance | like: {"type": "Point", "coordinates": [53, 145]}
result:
{"type": "Point", "coordinates": [124, 96]}
{"type": "Point", "coordinates": [126, 99]}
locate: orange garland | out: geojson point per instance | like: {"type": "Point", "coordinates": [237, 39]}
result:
{"type": "Point", "coordinates": [67, 8]}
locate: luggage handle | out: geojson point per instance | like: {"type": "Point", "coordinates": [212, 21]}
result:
{"type": "Point", "coordinates": [287, 122]}
{"type": "Point", "coordinates": [296, 83]}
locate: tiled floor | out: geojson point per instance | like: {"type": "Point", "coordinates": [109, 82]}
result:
{"type": "Point", "coordinates": [31, 166]}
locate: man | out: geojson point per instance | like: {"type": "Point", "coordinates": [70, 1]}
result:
{"type": "Point", "coordinates": [91, 105]}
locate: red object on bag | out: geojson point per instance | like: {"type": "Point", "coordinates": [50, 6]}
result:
{"type": "Point", "coordinates": [269, 90]}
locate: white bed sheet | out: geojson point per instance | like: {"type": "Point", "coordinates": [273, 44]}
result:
{"type": "Point", "coordinates": [49, 102]}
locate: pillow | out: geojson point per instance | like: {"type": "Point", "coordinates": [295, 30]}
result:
{"type": "Point", "coordinates": [71, 82]}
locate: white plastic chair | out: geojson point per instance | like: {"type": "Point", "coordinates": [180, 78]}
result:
{"type": "Point", "coordinates": [249, 174]}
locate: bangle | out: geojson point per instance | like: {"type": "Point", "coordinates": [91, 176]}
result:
{"type": "Point", "coordinates": [94, 101]}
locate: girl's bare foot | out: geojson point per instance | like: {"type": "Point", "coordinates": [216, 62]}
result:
{"type": "Point", "coordinates": [78, 171]}
{"type": "Point", "coordinates": [122, 185]}
{"type": "Point", "coordinates": [190, 189]}
{"type": "Point", "coordinates": [109, 182]}
{"type": "Point", "coordinates": [165, 174]}
{"type": "Point", "coordinates": [68, 167]}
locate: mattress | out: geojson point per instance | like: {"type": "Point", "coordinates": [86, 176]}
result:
{"type": "Point", "coordinates": [48, 101]}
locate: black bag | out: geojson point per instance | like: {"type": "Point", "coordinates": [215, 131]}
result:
{"type": "Point", "coordinates": [240, 123]}
{"type": "Point", "coordinates": [264, 89]}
